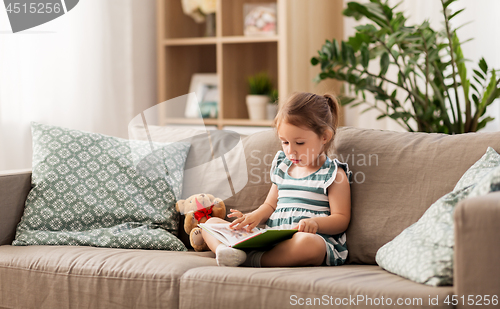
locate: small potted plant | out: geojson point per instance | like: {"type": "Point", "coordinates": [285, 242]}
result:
{"type": "Point", "coordinates": [272, 106]}
{"type": "Point", "coordinates": [260, 87]}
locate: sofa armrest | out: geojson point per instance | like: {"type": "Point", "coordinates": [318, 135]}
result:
{"type": "Point", "coordinates": [14, 188]}
{"type": "Point", "coordinates": [477, 250]}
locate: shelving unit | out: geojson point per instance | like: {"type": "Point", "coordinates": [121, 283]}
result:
{"type": "Point", "coordinates": [303, 26]}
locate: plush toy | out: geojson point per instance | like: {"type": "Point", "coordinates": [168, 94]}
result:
{"type": "Point", "coordinates": [199, 208]}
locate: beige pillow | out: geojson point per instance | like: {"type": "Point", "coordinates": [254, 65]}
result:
{"type": "Point", "coordinates": [423, 252]}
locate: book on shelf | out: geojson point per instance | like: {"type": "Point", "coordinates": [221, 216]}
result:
{"type": "Point", "coordinates": [241, 239]}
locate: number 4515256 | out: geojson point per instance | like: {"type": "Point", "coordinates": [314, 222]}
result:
{"type": "Point", "coordinates": [472, 300]}
{"type": "Point", "coordinates": [34, 8]}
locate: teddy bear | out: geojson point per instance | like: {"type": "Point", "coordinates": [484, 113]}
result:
{"type": "Point", "coordinates": [198, 208]}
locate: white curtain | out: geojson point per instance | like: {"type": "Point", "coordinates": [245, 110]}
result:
{"type": "Point", "coordinates": [484, 28]}
{"type": "Point", "coordinates": [92, 69]}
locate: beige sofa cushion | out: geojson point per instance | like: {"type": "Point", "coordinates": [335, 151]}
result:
{"type": "Point", "coordinates": [292, 287]}
{"type": "Point", "coordinates": [406, 174]}
{"type": "Point", "coordinates": [88, 277]}
{"type": "Point", "coordinates": [260, 149]}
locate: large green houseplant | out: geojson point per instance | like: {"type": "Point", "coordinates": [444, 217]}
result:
{"type": "Point", "coordinates": [439, 94]}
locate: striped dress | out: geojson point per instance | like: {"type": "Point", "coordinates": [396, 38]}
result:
{"type": "Point", "coordinates": [307, 197]}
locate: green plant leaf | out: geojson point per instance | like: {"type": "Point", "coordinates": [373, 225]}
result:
{"type": "Point", "coordinates": [327, 51]}
{"type": "Point", "coordinates": [341, 75]}
{"type": "Point", "coordinates": [352, 56]}
{"type": "Point", "coordinates": [367, 29]}
{"type": "Point", "coordinates": [477, 80]}
{"type": "Point", "coordinates": [365, 56]}
{"type": "Point", "coordinates": [335, 49]}
{"type": "Point", "coordinates": [369, 10]}
{"type": "Point", "coordinates": [401, 79]}
{"type": "Point", "coordinates": [489, 90]}
{"type": "Point", "coordinates": [479, 74]}
{"type": "Point", "coordinates": [314, 61]}
{"type": "Point", "coordinates": [260, 83]}
{"type": "Point", "coordinates": [483, 123]}
{"type": "Point", "coordinates": [448, 2]}
{"type": "Point", "coordinates": [325, 64]}
{"type": "Point", "coordinates": [455, 14]}
{"type": "Point", "coordinates": [396, 115]}
{"type": "Point", "coordinates": [483, 65]}
{"type": "Point", "coordinates": [344, 52]}
{"type": "Point", "coordinates": [392, 39]}
{"type": "Point", "coordinates": [462, 70]}
{"type": "Point", "coordinates": [384, 63]}
{"type": "Point", "coordinates": [367, 109]}
{"type": "Point", "coordinates": [475, 99]}
{"type": "Point", "coordinates": [357, 104]}
{"type": "Point", "coordinates": [345, 100]}
{"type": "Point", "coordinates": [474, 87]}
{"type": "Point", "coordinates": [358, 39]}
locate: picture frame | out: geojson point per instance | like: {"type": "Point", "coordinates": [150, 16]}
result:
{"type": "Point", "coordinates": [205, 86]}
{"type": "Point", "coordinates": [260, 19]}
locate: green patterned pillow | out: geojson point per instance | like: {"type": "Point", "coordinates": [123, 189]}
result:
{"type": "Point", "coordinates": [94, 190]}
{"type": "Point", "coordinates": [424, 251]}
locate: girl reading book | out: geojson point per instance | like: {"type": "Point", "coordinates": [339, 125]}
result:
{"type": "Point", "coordinates": [309, 192]}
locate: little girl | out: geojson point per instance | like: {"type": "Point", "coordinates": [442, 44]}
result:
{"type": "Point", "coordinates": [310, 192]}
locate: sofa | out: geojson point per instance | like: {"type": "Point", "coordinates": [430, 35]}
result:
{"type": "Point", "coordinates": [396, 177]}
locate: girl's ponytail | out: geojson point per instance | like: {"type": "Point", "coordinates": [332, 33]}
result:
{"type": "Point", "coordinates": [334, 108]}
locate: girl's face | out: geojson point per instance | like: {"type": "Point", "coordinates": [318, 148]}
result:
{"type": "Point", "coordinates": [301, 145]}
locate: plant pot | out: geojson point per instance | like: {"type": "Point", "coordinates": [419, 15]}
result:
{"type": "Point", "coordinates": [257, 106]}
{"type": "Point", "coordinates": [272, 110]}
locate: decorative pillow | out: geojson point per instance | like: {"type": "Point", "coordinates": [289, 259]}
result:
{"type": "Point", "coordinates": [424, 251]}
{"type": "Point", "coordinates": [96, 190]}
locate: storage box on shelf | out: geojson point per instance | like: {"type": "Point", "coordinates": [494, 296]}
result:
{"type": "Point", "coordinates": [183, 51]}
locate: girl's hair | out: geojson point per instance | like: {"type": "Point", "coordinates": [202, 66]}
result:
{"type": "Point", "coordinates": [315, 112]}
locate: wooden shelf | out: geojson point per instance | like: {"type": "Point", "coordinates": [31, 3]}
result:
{"type": "Point", "coordinates": [189, 41]}
{"type": "Point", "coordinates": [249, 39]}
{"type": "Point", "coordinates": [215, 40]}
{"type": "Point", "coordinates": [183, 51]}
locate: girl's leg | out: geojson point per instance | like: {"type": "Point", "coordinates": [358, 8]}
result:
{"type": "Point", "coordinates": [224, 255]}
{"type": "Point", "coordinates": [211, 241]}
{"type": "Point", "coordinates": [302, 249]}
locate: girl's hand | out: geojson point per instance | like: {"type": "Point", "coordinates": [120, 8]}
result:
{"type": "Point", "coordinates": [249, 220]}
{"type": "Point", "coordinates": [307, 226]}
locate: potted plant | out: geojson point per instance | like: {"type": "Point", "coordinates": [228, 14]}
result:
{"type": "Point", "coordinates": [260, 87]}
{"type": "Point", "coordinates": [272, 106]}
{"type": "Point", "coordinates": [431, 91]}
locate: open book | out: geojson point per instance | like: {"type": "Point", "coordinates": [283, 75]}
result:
{"type": "Point", "coordinates": [241, 239]}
